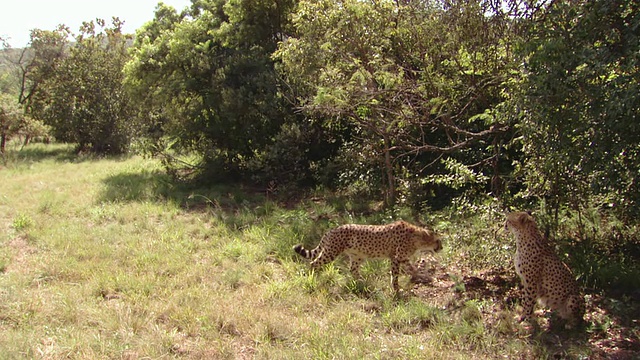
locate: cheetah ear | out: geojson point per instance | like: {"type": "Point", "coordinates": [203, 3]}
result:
{"type": "Point", "coordinates": [524, 217]}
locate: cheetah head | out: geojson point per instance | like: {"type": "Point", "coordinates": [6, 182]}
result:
{"type": "Point", "coordinates": [518, 221]}
{"type": "Point", "coordinates": [427, 240]}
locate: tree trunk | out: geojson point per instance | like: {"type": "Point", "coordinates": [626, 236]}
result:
{"type": "Point", "coordinates": [390, 198]}
{"type": "Point", "coordinates": [3, 142]}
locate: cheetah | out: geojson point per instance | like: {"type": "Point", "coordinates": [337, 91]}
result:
{"type": "Point", "coordinates": [544, 276]}
{"type": "Point", "coordinates": [397, 241]}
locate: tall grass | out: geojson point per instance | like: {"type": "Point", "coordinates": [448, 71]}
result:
{"type": "Point", "coordinates": [107, 258]}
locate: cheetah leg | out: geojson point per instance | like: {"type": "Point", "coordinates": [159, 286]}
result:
{"type": "Point", "coordinates": [528, 302]}
{"type": "Point", "coordinates": [395, 272]}
{"type": "Point", "coordinates": [396, 265]}
{"type": "Point", "coordinates": [409, 268]}
{"type": "Point", "coordinates": [355, 267]}
{"type": "Point", "coordinates": [574, 309]}
{"type": "Point", "coordinates": [321, 260]}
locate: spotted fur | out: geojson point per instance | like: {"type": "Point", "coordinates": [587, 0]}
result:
{"type": "Point", "coordinates": [397, 241]}
{"type": "Point", "coordinates": [544, 276]}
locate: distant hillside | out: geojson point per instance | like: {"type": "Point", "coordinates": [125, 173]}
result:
{"type": "Point", "coordinates": [12, 55]}
{"type": "Point", "coordinates": [9, 78]}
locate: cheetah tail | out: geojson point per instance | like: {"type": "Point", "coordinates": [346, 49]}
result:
{"type": "Point", "coordinates": [307, 254]}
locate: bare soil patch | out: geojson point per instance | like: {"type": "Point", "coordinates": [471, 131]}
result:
{"type": "Point", "coordinates": [22, 251]}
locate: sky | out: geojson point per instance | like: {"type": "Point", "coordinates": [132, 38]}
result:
{"type": "Point", "coordinates": [18, 17]}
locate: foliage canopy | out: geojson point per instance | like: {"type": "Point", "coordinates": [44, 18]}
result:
{"type": "Point", "coordinates": [415, 102]}
{"type": "Point", "coordinates": [214, 85]}
{"type": "Point", "coordinates": [78, 90]}
{"type": "Point", "coordinates": [582, 99]}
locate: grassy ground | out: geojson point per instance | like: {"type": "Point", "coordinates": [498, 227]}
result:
{"type": "Point", "coordinates": [106, 258]}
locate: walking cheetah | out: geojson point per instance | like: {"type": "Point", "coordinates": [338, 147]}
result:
{"type": "Point", "coordinates": [544, 276]}
{"type": "Point", "coordinates": [397, 241]}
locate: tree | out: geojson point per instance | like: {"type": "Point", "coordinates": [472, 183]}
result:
{"type": "Point", "coordinates": [419, 83]}
{"type": "Point", "coordinates": [80, 93]}
{"type": "Point", "coordinates": [214, 87]}
{"type": "Point", "coordinates": [582, 101]}
{"type": "Point", "coordinates": [39, 61]}
{"type": "Point", "coordinates": [6, 52]}
{"type": "Point", "coordinates": [11, 119]}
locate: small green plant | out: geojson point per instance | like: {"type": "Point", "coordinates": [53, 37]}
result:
{"type": "Point", "coordinates": [233, 278]}
{"type": "Point", "coordinates": [308, 281]}
{"type": "Point", "coordinates": [459, 283]}
{"type": "Point", "coordinates": [360, 288]}
{"type": "Point", "coordinates": [22, 222]}
{"type": "Point", "coordinates": [413, 315]}
{"type": "Point", "coordinates": [505, 323]}
{"type": "Point", "coordinates": [471, 311]}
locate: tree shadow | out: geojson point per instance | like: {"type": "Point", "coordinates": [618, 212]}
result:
{"type": "Point", "coordinates": [610, 331]}
{"type": "Point", "coordinates": [612, 325]}
{"type": "Point", "coordinates": [135, 187]}
{"type": "Point", "coordinates": [36, 153]}
{"type": "Point", "coordinates": [62, 153]}
{"type": "Point", "coordinates": [237, 207]}
{"type": "Point", "coordinates": [157, 186]}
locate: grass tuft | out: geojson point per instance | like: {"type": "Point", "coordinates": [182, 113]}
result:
{"type": "Point", "coordinates": [22, 222]}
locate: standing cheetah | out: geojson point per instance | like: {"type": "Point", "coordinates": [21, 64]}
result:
{"type": "Point", "coordinates": [544, 276]}
{"type": "Point", "coordinates": [397, 241]}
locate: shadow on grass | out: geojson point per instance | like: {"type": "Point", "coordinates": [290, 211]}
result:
{"type": "Point", "coordinates": [238, 207]}
{"type": "Point", "coordinates": [158, 186]}
{"type": "Point", "coordinates": [136, 187]}
{"type": "Point", "coordinates": [229, 197]}
{"type": "Point", "coordinates": [610, 330]}
{"type": "Point", "coordinates": [40, 152]}
{"type": "Point", "coordinates": [64, 153]}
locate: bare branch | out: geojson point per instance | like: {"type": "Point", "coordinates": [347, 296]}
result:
{"type": "Point", "coordinates": [471, 138]}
